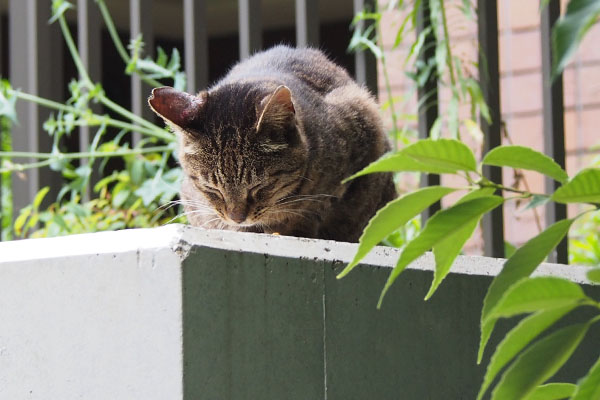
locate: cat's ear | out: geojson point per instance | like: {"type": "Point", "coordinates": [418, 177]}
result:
{"type": "Point", "coordinates": [178, 109]}
{"type": "Point", "coordinates": [276, 109]}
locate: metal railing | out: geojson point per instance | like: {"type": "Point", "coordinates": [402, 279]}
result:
{"type": "Point", "coordinates": [35, 64]}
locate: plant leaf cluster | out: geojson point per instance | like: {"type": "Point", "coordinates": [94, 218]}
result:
{"type": "Point", "coordinates": [128, 197]}
{"type": "Point", "coordinates": [533, 351]}
{"type": "Point", "coordinates": [528, 364]}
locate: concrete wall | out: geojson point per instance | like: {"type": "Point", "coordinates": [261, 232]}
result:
{"type": "Point", "coordinates": [182, 313]}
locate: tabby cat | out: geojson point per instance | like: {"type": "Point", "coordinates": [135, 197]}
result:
{"type": "Point", "coordinates": [266, 148]}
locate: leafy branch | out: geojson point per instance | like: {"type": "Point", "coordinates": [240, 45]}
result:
{"type": "Point", "coordinates": [512, 292]}
{"type": "Point", "coordinates": [528, 362]}
{"type": "Point", "coordinates": [147, 178]}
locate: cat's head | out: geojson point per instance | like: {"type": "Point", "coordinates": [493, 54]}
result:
{"type": "Point", "coordinates": [241, 147]}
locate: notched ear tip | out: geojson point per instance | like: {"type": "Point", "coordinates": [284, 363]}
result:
{"type": "Point", "coordinates": [175, 106]}
{"type": "Point", "coordinates": [156, 98]}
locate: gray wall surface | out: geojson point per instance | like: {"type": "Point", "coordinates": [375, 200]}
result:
{"type": "Point", "coordinates": [182, 313]}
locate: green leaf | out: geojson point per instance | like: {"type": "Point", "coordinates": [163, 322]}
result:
{"type": "Point", "coordinates": [137, 172]}
{"type": "Point", "coordinates": [120, 198]}
{"type": "Point", "coordinates": [39, 197]}
{"type": "Point", "coordinates": [539, 363]}
{"type": "Point", "coordinates": [78, 210]}
{"type": "Point", "coordinates": [394, 215]}
{"type": "Point", "coordinates": [441, 156]}
{"type": "Point", "coordinates": [161, 58]}
{"type": "Point", "coordinates": [552, 391]}
{"type": "Point", "coordinates": [179, 81]}
{"type": "Point", "coordinates": [583, 188]}
{"type": "Point", "coordinates": [175, 62]}
{"type": "Point", "coordinates": [7, 101]}
{"type": "Point", "coordinates": [509, 249]}
{"type": "Point", "coordinates": [59, 7]}
{"type": "Point", "coordinates": [447, 250]}
{"type": "Point", "coordinates": [570, 30]}
{"type": "Point", "coordinates": [443, 224]}
{"type": "Point", "coordinates": [520, 265]}
{"type": "Point", "coordinates": [59, 220]}
{"type": "Point", "coordinates": [525, 158]}
{"type": "Point", "coordinates": [477, 99]}
{"type": "Point", "coordinates": [516, 340]}
{"type": "Point", "coordinates": [537, 200]}
{"type": "Point", "coordinates": [589, 385]}
{"type": "Point", "coordinates": [594, 275]}
{"type": "Point", "coordinates": [21, 219]}
{"type": "Point", "coordinates": [399, 162]}
{"type": "Point", "coordinates": [443, 153]}
{"type": "Point", "coordinates": [536, 294]}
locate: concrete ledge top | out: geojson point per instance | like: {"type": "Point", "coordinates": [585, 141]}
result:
{"type": "Point", "coordinates": [181, 239]}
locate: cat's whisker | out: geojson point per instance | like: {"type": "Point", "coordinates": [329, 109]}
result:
{"type": "Point", "coordinates": [176, 217]}
{"type": "Point", "coordinates": [193, 212]}
{"type": "Point", "coordinates": [199, 212]}
{"type": "Point", "coordinates": [190, 203]}
{"type": "Point", "coordinates": [168, 205]}
{"type": "Point", "coordinates": [296, 212]}
{"type": "Point", "coordinates": [298, 200]}
{"type": "Point", "coordinates": [303, 177]}
{"type": "Point", "coordinates": [314, 197]}
{"type": "Point", "coordinates": [219, 226]}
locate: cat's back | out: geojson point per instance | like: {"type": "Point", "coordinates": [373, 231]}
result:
{"type": "Point", "coordinates": [306, 66]}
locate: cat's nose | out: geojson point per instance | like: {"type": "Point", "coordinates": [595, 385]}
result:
{"type": "Point", "coordinates": [237, 215]}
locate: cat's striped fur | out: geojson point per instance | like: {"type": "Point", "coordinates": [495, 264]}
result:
{"type": "Point", "coordinates": [266, 148]}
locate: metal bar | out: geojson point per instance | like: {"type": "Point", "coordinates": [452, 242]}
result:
{"type": "Point", "coordinates": [554, 129]}
{"type": "Point", "coordinates": [489, 76]}
{"type": "Point", "coordinates": [365, 62]}
{"type": "Point", "coordinates": [140, 17]}
{"type": "Point", "coordinates": [89, 45]}
{"type": "Point", "coordinates": [3, 73]}
{"type": "Point", "coordinates": [36, 67]}
{"type": "Point", "coordinates": [250, 26]}
{"type": "Point", "coordinates": [428, 98]}
{"type": "Point", "coordinates": [307, 23]}
{"type": "Point", "coordinates": [195, 42]}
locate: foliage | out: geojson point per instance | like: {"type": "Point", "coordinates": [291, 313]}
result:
{"type": "Point", "coordinates": [533, 351]}
{"type": "Point", "coordinates": [6, 203]}
{"type": "Point", "coordinates": [570, 30]}
{"type": "Point", "coordinates": [584, 243]}
{"type": "Point", "coordinates": [130, 197]}
{"type": "Point", "coordinates": [512, 292]}
{"type": "Point", "coordinates": [126, 199]}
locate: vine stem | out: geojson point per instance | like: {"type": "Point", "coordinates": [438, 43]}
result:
{"type": "Point", "coordinates": [74, 52]}
{"type": "Point", "coordinates": [150, 129]}
{"type": "Point", "coordinates": [487, 183]}
{"type": "Point", "coordinates": [101, 97]}
{"type": "Point", "coordinates": [70, 156]}
{"type": "Point", "coordinates": [386, 78]}
{"type": "Point", "coordinates": [110, 26]}
{"type": "Point", "coordinates": [447, 43]}
{"type": "Point", "coordinates": [159, 132]}
{"type": "Point", "coordinates": [49, 157]}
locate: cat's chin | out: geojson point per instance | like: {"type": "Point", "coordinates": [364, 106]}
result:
{"type": "Point", "coordinates": [245, 225]}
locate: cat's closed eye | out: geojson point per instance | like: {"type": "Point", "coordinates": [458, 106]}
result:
{"type": "Point", "coordinates": [212, 192]}
{"type": "Point", "coordinates": [254, 192]}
